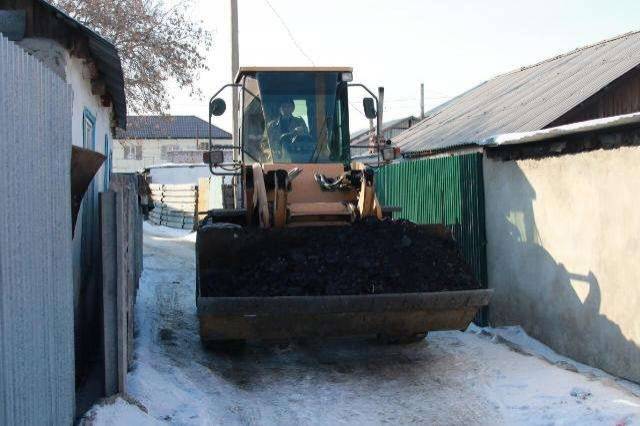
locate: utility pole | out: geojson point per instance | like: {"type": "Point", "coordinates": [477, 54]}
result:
{"type": "Point", "coordinates": [421, 101]}
{"type": "Point", "coordinates": [235, 64]}
{"type": "Point", "coordinates": [380, 117]}
{"type": "Point", "coordinates": [379, 123]}
{"type": "Point", "coordinates": [373, 141]}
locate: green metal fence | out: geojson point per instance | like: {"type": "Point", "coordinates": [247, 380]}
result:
{"type": "Point", "coordinates": [446, 190]}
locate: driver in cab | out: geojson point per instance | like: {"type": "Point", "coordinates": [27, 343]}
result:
{"type": "Point", "coordinates": [287, 127]}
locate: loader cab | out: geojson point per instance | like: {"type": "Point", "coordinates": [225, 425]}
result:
{"type": "Point", "coordinates": [294, 116]}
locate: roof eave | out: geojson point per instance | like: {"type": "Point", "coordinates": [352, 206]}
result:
{"type": "Point", "coordinates": [107, 59]}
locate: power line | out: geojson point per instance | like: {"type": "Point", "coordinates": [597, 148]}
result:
{"type": "Point", "coordinates": [293, 39]}
{"type": "Point", "coordinates": [416, 99]}
{"type": "Point", "coordinates": [357, 109]}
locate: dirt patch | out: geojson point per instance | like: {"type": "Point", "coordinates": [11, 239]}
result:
{"type": "Point", "coordinates": [166, 335]}
{"type": "Point", "coordinates": [369, 257]}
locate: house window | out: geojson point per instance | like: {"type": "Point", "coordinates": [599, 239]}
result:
{"type": "Point", "coordinates": [204, 146]}
{"type": "Point", "coordinates": [132, 152]}
{"type": "Point", "coordinates": [88, 130]}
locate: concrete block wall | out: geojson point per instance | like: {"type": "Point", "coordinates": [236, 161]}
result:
{"type": "Point", "coordinates": [563, 243]}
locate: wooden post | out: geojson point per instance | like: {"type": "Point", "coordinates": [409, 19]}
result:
{"type": "Point", "coordinates": [131, 204]}
{"type": "Point", "coordinates": [109, 291]}
{"type": "Point", "coordinates": [121, 293]}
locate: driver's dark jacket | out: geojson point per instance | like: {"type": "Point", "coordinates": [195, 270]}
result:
{"type": "Point", "coordinates": [282, 126]}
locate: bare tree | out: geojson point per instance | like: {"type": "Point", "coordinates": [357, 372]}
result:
{"type": "Point", "coordinates": [157, 44]}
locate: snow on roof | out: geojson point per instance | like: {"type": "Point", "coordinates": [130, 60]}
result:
{"type": "Point", "coordinates": [567, 129]}
{"type": "Point", "coordinates": [524, 100]}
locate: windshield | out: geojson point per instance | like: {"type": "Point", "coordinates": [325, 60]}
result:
{"type": "Point", "coordinates": [295, 117]}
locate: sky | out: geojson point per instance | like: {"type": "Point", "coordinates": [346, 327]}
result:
{"type": "Point", "coordinates": [450, 46]}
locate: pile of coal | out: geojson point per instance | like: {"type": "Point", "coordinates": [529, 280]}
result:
{"type": "Point", "coordinates": [368, 257]}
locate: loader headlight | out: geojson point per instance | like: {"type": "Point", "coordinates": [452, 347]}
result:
{"type": "Point", "coordinates": [346, 77]}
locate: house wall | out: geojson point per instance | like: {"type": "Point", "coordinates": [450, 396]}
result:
{"type": "Point", "coordinates": [76, 73]}
{"type": "Point", "coordinates": [618, 98]}
{"type": "Point", "coordinates": [563, 238]}
{"type": "Point", "coordinates": [183, 174]}
{"type": "Point", "coordinates": [152, 150]}
{"type": "Point", "coordinates": [85, 249]}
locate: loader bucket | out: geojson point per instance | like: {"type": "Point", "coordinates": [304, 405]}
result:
{"type": "Point", "coordinates": [394, 315]}
{"type": "Point", "coordinates": [248, 287]}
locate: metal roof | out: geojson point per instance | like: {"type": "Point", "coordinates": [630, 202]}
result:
{"type": "Point", "coordinates": [361, 136]}
{"type": "Point", "coordinates": [526, 99]}
{"type": "Point", "coordinates": [107, 59]}
{"type": "Point", "coordinates": [169, 127]}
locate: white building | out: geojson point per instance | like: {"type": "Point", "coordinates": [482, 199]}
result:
{"type": "Point", "coordinates": [91, 65]}
{"type": "Point", "coordinates": [149, 139]}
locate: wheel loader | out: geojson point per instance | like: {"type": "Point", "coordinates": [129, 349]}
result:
{"type": "Point", "coordinates": [296, 185]}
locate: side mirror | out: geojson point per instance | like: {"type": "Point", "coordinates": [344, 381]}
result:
{"type": "Point", "coordinates": [217, 107]}
{"type": "Point", "coordinates": [369, 108]}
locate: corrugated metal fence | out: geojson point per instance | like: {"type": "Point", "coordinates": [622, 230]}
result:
{"type": "Point", "coordinates": [36, 285]}
{"type": "Point", "coordinates": [446, 190]}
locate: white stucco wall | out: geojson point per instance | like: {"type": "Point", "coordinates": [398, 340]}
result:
{"type": "Point", "coordinates": [84, 101]}
{"type": "Point", "coordinates": [183, 174]}
{"type": "Point", "coordinates": [76, 73]}
{"type": "Point", "coordinates": [563, 251]}
{"type": "Point", "coordinates": [152, 151]}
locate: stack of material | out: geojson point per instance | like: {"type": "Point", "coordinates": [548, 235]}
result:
{"type": "Point", "coordinates": [369, 257]}
{"type": "Point", "coordinates": [175, 205]}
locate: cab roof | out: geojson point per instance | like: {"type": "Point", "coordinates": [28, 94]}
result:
{"type": "Point", "coordinates": [252, 70]}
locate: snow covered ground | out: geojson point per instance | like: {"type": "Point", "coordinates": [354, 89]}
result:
{"type": "Point", "coordinates": [482, 376]}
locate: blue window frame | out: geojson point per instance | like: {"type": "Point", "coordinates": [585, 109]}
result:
{"type": "Point", "coordinates": [107, 162]}
{"type": "Point", "coordinates": [90, 200]}
{"type": "Point", "coordinates": [89, 130]}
